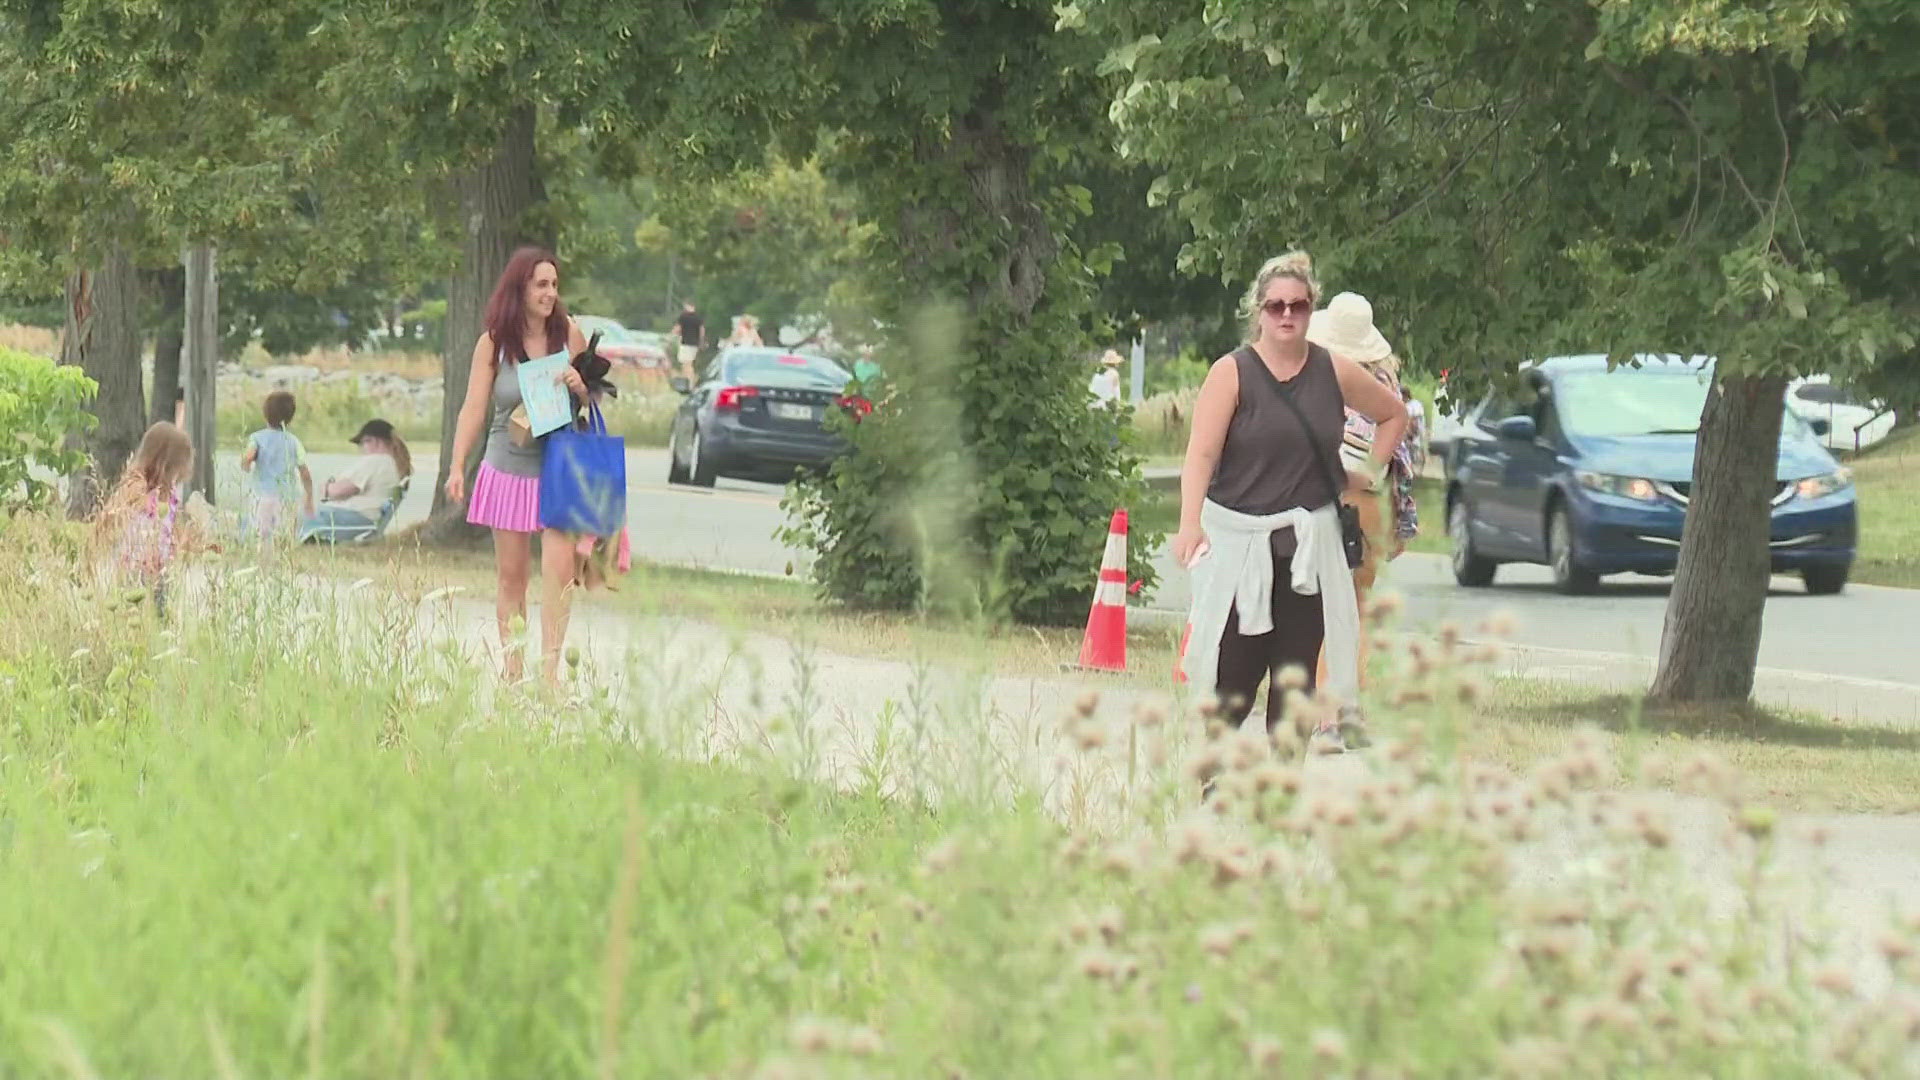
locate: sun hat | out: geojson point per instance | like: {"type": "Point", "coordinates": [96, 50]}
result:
{"type": "Point", "coordinates": [1345, 328]}
{"type": "Point", "coordinates": [1112, 358]}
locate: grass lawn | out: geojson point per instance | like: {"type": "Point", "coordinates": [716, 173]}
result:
{"type": "Point", "coordinates": [271, 838]}
{"type": "Point", "coordinates": [1795, 760]}
{"type": "Point", "coordinates": [1888, 476]}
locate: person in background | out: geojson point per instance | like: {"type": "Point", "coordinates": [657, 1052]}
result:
{"type": "Point", "coordinates": [525, 318]}
{"type": "Point", "coordinates": [1345, 328]}
{"type": "Point", "coordinates": [746, 332]}
{"type": "Point", "coordinates": [1259, 525]}
{"type": "Point", "coordinates": [140, 525]}
{"type": "Point", "coordinates": [353, 500]}
{"type": "Point", "coordinates": [1416, 428]}
{"type": "Point", "coordinates": [277, 464]}
{"type": "Point", "coordinates": [1105, 384]}
{"type": "Point", "coordinates": [692, 330]}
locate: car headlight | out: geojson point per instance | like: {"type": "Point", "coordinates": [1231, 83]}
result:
{"type": "Point", "coordinates": [1627, 487]}
{"type": "Point", "coordinates": [1814, 487]}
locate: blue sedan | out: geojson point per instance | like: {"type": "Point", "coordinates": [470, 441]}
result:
{"type": "Point", "coordinates": [1590, 471]}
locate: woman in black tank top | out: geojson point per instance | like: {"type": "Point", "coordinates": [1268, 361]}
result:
{"type": "Point", "coordinates": [1250, 452]}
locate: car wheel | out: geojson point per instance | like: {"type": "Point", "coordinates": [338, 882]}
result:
{"type": "Point", "coordinates": [676, 472]}
{"type": "Point", "coordinates": [1568, 575]}
{"type": "Point", "coordinates": [699, 464]}
{"type": "Point", "coordinates": [1470, 568]}
{"type": "Point", "coordinates": [1826, 580]}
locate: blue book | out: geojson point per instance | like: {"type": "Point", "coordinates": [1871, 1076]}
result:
{"type": "Point", "coordinates": [549, 406]}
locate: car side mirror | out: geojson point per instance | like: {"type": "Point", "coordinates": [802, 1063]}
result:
{"type": "Point", "coordinates": [1518, 429]}
{"type": "Point", "coordinates": [680, 384]}
{"type": "Point", "coordinates": [1820, 426]}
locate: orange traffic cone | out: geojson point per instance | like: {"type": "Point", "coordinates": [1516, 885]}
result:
{"type": "Point", "coordinates": [1104, 646]}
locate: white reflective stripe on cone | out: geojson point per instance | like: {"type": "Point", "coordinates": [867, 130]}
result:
{"type": "Point", "coordinates": [1116, 554]}
{"type": "Point", "coordinates": [1111, 594]}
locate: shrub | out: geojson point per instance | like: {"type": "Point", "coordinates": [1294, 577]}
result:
{"type": "Point", "coordinates": [41, 404]}
{"type": "Point", "coordinates": [982, 483]}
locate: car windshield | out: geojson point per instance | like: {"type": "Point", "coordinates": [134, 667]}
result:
{"type": "Point", "coordinates": [1629, 402]}
{"type": "Point", "coordinates": [788, 370]}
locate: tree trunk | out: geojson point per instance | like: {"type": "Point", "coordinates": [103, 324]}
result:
{"type": "Point", "coordinates": [1711, 640]}
{"type": "Point", "coordinates": [495, 201]}
{"type": "Point", "coordinates": [170, 285]}
{"type": "Point", "coordinates": [202, 337]}
{"type": "Point", "coordinates": [102, 338]}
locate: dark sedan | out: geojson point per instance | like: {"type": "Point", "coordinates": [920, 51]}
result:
{"type": "Point", "coordinates": [759, 414]}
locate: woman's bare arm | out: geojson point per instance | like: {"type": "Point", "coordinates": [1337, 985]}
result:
{"type": "Point", "coordinates": [1212, 411]}
{"type": "Point", "coordinates": [1377, 402]}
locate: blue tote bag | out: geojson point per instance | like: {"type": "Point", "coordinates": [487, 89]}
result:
{"type": "Point", "coordinates": [583, 480]}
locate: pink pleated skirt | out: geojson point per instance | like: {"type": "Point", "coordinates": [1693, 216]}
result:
{"type": "Point", "coordinates": [502, 500]}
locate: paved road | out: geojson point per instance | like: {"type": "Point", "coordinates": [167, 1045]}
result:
{"type": "Point", "coordinates": [1867, 638]}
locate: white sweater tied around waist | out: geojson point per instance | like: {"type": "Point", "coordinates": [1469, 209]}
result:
{"type": "Point", "coordinates": [1236, 574]}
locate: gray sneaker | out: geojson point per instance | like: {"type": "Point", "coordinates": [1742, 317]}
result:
{"type": "Point", "coordinates": [1326, 740]}
{"type": "Point", "coordinates": [1353, 730]}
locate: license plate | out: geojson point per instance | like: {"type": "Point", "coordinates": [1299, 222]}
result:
{"type": "Point", "coordinates": [784, 411]}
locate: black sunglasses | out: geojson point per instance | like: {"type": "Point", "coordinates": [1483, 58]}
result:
{"type": "Point", "coordinates": [1296, 308]}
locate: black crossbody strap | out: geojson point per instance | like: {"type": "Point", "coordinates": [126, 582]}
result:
{"type": "Point", "coordinates": [1286, 395]}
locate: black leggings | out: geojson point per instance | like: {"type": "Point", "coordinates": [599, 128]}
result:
{"type": "Point", "coordinates": [1245, 659]}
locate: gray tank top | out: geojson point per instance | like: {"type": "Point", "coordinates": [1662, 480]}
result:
{"type": "Point", "coordinates": [1266, 464]}
{"type": "Point", "coordinates": [501, 453]}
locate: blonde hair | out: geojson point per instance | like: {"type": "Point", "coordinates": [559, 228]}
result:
{"type": "Point", "coordinates": [1297, 265]}
{"type": "Point", "coordinates": [163, 459]}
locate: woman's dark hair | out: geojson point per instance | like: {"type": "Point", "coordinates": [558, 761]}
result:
{"type": "Point", "coordinates": [278, 409]}
{"type": "Point", "coordinates": [506, 310]}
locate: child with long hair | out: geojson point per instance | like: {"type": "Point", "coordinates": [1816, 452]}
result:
{"type": "Point", "coordinates": [277, 463]}
{"type": "Point", "coordinates": [140, 525]}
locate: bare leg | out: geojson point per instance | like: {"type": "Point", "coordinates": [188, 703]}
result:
{"type": "Point", "coordinates": [1375, 521]}
{"type": "Point", "coordinates": [559, 564]}
{"type": "Point", "coordinates": [513, 559]}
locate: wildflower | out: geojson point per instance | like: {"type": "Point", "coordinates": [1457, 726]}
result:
{"type": "Point", "coordinates": [863, 1041]}
{"type": "Point", "coordinates": [1387, 604]}
{"type": "Point", "coordinates": [1276, 777]}
{"type": "Point", "coordinates": [1111, 923]}
{"type": "Point", "coordinates": [1089, 736]}
{"type": "Point", "coordinates": [941, 857]}
{"type": "Point", "coordinates": [1096, 965]}
{"type": "Point", "coordinates": [1292, 677]}
{"type": "Point", "coordinates": [1217, 939]}
{"type": "Point", "coordinates": [1470, 691]}
{"type": "Point", "coordinates": [1834, 980]}
{"type": "Point", "coordinates": [1193, 994]}
{"type": "Point", "coordinates": [1329, 1046]}
{"type": "Point", "coordinates": [1895, 947]}
{"type": "Point", "coordinates": [443, 592]}
{"type": "Point", "coordinates": [1263, 1051]}
{"type": "Point", "coordinates": [1501, 624]}
{"type": "Point", "coordinates": [821, 906]}
{"type": "Point", "coordinates": [1149, 716]}
{"type": "Point", "coordinates": [810, 1035]}
{"type": "Point", "coordinates": [573, 656]}
{"type": "Point", "coordinates": [1758, 821]}
{"type": "Point", "coordinates": [1120, 861]}
{"type": "Point", "coordinates": [1531, 1055]}
{"type": "Point", "coordinates": [1204, 765]}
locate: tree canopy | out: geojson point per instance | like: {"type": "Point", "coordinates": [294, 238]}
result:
{"type": "Point", "coordinates": [1510, 179]}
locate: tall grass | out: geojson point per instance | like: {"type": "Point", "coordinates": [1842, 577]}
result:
{"type": "Point", "coordinates": [297, 833]}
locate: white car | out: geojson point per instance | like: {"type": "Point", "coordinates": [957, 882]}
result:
{"type": "Point", "coordinates": [1851, 424]}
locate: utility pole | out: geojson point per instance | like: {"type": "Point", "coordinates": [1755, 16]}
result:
{"type": "Point", "coordinates": [201, 365]}
{"type": "Point", "coordinates": [1137, 391]}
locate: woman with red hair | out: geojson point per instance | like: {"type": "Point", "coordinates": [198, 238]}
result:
{"type": "Point", "coordinates": [524, 320]}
